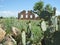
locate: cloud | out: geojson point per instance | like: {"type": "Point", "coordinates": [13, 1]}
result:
{"type": "Point", "coordinates": [57, 13]}
{"type": "Point", "coordinates": [9, 13]}
{"type": "Point", "coordinates": [15, 13]}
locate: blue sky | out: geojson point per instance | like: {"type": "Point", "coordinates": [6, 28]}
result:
{"type": "Point", "coordinates": [12, 7]}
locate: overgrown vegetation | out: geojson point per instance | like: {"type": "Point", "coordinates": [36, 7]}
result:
{"type": "Point", "coordinates": [9, 22]}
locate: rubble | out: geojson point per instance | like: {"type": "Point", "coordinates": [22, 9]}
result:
{"type": "Point", "coordinates": [15, 31]}
{"type": "Point", "coordinates": [2, 34]}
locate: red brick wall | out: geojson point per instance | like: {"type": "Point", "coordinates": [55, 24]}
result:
{"type": "Point", "coordinates": [29, 13]}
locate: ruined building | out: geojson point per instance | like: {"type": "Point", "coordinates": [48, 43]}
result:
{"type": "Point", "coordinates": [28, 16]}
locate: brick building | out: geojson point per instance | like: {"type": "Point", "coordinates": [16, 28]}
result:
{"type": "Point", "coordinates": [28, 16]}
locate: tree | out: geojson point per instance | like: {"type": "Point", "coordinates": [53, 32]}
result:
{"type": "Point", "coordinates": [41, 11]}
{"type": "Point", "coordinates": [48, 7]}
{"type": "Point", "coordinates": [38, 7]}
{"type": "Point", "coordinates": [54, 10]}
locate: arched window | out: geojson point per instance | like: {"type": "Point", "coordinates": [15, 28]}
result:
{"type": "Point", "coordinates": [31, 16]}
{"type": "Point", "coordinates": [21, 16]}
{"type": "Point", "coordinates": [26, 16]}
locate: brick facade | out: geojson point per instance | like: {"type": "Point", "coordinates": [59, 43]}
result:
{"type": "Point", "coordinates": [28, 16]}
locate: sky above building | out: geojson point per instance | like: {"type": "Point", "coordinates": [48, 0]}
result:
{"type": "Point", "coordinates": [10, 8]}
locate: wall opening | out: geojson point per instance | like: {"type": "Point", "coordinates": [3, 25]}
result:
{"type": "Point", "coordinates": [26, 16]}
{"type": "Point", "coordinates": [21, 16]}
{"type": "Point", "coordinates": [31, 16]}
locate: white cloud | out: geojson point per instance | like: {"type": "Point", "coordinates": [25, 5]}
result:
{"type": "Point", "coordinates": [57, 13]}
{"type": "Point", "coordinates": [8, 13]}
{"type": "Point", "coordinates": [15, 13]}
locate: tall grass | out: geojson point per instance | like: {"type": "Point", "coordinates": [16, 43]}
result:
{"type": "Point", "coordinates": [9, 22]}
